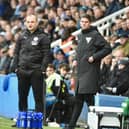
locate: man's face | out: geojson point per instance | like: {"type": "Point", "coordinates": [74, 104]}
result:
{"type": "Point", "coordinates": [84, 23]}
{"type": "Point", "coordinates": [63, 71]}
{"type": "Point", "coordinates": [49, 71]}
{"type": "Point", "coordinates": [31, 23]}
{"type": "Point", "coordinates": [123, 40]}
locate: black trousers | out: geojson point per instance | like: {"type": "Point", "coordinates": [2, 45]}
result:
{"type": "Point", "coordinates": [79, 100]}
{"type": "Point", "coordinates": [26, 79]}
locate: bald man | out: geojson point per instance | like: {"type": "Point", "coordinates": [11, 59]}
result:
{"type": "Point", "coordinates": [31, 57]}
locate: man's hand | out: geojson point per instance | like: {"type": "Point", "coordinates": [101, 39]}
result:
{"type": "Point", "coordinates": [109, 88]}
{"type": "Point", "coordinates": [113, 90]}
{"type": "Point", "coordinates": [16, 70]}
{"type": "Point", "coordinates": [91, 59]}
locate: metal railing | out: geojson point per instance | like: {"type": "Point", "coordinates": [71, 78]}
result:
{"type": "Point", "coordinates": [103, 26]}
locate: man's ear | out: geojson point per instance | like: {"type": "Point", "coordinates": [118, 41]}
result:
{"type": "Point", "coordinates": [25, 23]}
{"type": "Point", "coordinates": [37, 23]}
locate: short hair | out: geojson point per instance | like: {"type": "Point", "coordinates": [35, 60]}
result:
{"type": "Point", "coordinates": [87, 16]}
{"type": "Point", "coordinates": [32, 15]}
{"type": "Point", "coordinates": [51, 66]}
{"type": "Point", "coordinates": [64, 66]}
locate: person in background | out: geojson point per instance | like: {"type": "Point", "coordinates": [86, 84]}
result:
{"type": "Point", "coordinates": [31, 56]}
{"type": "Point", "coordinates": [59, 101]}
{"type": "Point", "coordinates": [92, 47]}
{"type": "Point", "coordinates": [64, 71]}
{"type": "Point", "coordinates": [105, 70]}
{"type": "Point", "coordinates": [54, 83]}
{"type": "Point", "coordinates": [59, 58]}
{"type": "Point", "coordinates": [124, 44]}
{"type": "Point", "coordinates": [119, 85]}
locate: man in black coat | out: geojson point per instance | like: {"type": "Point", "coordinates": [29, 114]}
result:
{"type": "Point", "coordinates": [31, 56]}
{"type": "Point", "coordinates": [92, 47]}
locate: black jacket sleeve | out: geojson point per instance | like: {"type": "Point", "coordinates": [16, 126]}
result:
{"type": "Point", "coordinates": [16, 56]}
{"type": "Point", "coordinates": [103, 48]}
{"type": "Point", "coordinates": [46, 52]}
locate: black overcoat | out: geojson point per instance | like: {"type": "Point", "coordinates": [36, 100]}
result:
{"type": "Point", "coordinates": [90, 43]}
